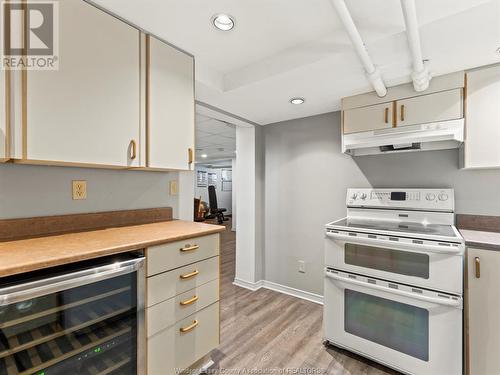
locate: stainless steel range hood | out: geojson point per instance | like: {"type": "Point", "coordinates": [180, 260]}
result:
{"type": "Point", "coordinates": [432, 136]}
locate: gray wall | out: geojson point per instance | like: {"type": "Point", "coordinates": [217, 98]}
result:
{"type": "Point", "coordinates": [306, 179]}
{"type": "Point", "coordinates": [27, 191]}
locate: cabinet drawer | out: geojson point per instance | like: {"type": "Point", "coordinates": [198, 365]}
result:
{"type": "Point", "coordinates": [169, 284]}
{"type": "Point", "coordinates": [166, 257]}
{"type": "Point", "coordinates": [164, 314]}
{"type": "Point", "coordinates": [171, 349]}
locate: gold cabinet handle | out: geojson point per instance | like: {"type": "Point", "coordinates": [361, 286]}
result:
{"type": "Point", "coordinates": [189, 275]}
{"type": "Point", "coordinates": [189, 327]}
{"type": "Point", "coordinates": [402, 112]}
{"type": "Point", "coordinates": [386, 115]}
{"type": "Point", "coordinates": [477, 262]}
{"type": "Point", "coordinates": [190, 248]}
{"type": "Point", "coordinates": [133, 149]}
{"type": "Point", "coordinates": [190, 155]}
{"type": "Point", "coordinates": [189, 301]}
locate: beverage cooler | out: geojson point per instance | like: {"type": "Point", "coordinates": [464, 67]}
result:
{"type": "Point", "coordinates": [86, 318]}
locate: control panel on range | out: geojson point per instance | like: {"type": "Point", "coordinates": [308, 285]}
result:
{"type": "Point", "coordinates": [438, 199]}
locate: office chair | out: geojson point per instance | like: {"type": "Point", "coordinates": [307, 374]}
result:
{"type": "Point", "coordinates": [214, 210]}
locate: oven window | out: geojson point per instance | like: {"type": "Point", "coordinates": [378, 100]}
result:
{"type": "Point", "coordinates": [396, 325]}
{"type": "Point", "coordinates": [394, 261]}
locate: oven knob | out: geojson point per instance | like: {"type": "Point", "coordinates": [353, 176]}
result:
{"type": "Point", "coordinates": [443, 196]}
{"type": "Point", "coordinates": [354, 196]}
{"type": "Point", "coordinates": [430, 196]}
{"type": "Point", "coordinates": [363, 196]}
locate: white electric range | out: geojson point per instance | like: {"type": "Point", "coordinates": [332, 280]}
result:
{"type": "Point", "coordinates": [394, 280]}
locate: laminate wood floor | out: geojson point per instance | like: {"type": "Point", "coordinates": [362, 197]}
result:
{"type": "Point", "coordinates": [266, 332]}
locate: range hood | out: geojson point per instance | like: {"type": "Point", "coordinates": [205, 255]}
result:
{"type": "Point", "coordinates": [424, 137]}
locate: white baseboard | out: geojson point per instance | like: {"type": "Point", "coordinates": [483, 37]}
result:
{"type": "Point", "coordinates": [254, 286]}
{"type": "Point", "coordinates": [308, 296]}
{"type": "Point", "coordinates": [247, 284]}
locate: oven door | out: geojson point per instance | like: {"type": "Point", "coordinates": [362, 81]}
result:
{"type": "Point", "coordinates": [427, 264]}
{"type": "Point", "coordinates": [414, 332]}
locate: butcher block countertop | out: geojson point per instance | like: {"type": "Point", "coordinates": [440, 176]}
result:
{"type": "Point", "coordinates": [37, 253]}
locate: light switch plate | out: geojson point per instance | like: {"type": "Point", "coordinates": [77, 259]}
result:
{"type": "Point", "coordinates": [79, 190]}
{"type": "Point", "coordinates": [174, 188]}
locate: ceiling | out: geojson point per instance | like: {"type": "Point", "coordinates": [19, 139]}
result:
{"type": "Point", "coordinates": [215, 139]}
{"type": "Point", "coordinates": [285, 48]}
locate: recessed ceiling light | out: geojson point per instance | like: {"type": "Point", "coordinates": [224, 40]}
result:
{"type": "Point", "coordinates": [223, 22]}
{"type": "Point", "coordinates": [204, 156]}
{"type": "Point", "coordinates": [297, 100]}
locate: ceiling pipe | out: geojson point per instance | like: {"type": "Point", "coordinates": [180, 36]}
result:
{"type": "Point", "coordinates": [372, 72]}
{"type": "Point", "coordinates": [420, 74]}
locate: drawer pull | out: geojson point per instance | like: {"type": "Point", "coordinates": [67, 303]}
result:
{"type": "Point", "coordinates": [189, 275]}
{"type": "Point", "coordinates": [189, 327]}
{"type": "Point", "coordinates": [133, 150]}
{"type": "Point", "coordinates": [190, 248]}
{"type": "Point", "coordinates": [189, 301]}
{"type": "Point", "coordinates": [477, 261]}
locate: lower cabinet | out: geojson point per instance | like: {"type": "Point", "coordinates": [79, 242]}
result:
{"type": "Point", "coordinates": [184, 343]}
{"type": "Point", "coordinates": [483, 333]}
{"type": "Point", "coordinates": [182, 305]}
{"type": "Point", "coordinates": [4, 126]}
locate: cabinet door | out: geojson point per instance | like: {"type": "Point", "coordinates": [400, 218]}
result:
{"type": "Point", "coordinates": [88, 111]}
{"type": "Point", "coordinates": [441, 106]}
{"type": "Point", "coordinates": [483, 119]}
{"type": "Point", "coordinates": [4, 116]}
{"type": "Point", "coordinates": [170, 126]}
{"type": "Point", "coordinates": [484, 311]}
{"type": "Point", "coordinates": [363, 119]}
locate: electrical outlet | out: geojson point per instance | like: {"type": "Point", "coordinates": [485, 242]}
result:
{"type": "Point", "coordinates": [302, 266]}
{"type": "Point", "coordinates": [174, 188]}
{"type": "Point", "coordinates": [79, 190]}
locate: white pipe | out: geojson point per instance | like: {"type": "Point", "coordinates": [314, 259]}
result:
{"type": "Point", "coordinates": [420, 74]}
{"type": "Point", "coordinates": [372, 72]}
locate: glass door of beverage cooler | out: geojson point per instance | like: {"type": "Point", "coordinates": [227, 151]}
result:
{"type": "Point", "coordinates": [89, 321]}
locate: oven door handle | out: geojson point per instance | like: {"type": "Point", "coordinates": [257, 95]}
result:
{"type": "Point", "coordinates": [416, 247]}
{"type": "Point", "coordinates": [436, 300]}
{"type": "Point", "coordinates": [39, 288]}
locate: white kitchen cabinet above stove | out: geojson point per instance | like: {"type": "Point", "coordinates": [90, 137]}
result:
{"type": "Point", "coordinates": [405, 120]}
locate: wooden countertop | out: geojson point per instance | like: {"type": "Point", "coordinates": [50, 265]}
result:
{"type": "Point", "coordinates": [37, 253]}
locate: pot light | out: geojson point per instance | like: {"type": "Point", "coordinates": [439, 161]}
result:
{"type": "Point", "coordinates": [297, 100]}
{"type": "Point", "coordinates": [204, 156]}
{"type": "Point", "coordinates": [223, 22]}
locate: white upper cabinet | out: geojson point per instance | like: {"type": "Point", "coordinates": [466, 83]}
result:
{"type": "Point", "coordinates": [3, 120]}
{"type": "Point", "coordinates": [88, 111]}
{"type": "Point", "coordinates": [403, 106]}
{"type": "Point", "coordinates": [372, 117]}
{"type": "Point", "coordinates": [482, 126]}
{"type": "Point", "coordinates": [170, 125]}
{"type": "Point", "coordinates": [441, 106]}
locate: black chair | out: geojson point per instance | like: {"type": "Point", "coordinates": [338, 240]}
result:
{"type": "Point", "coordinates": [214, 210]}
